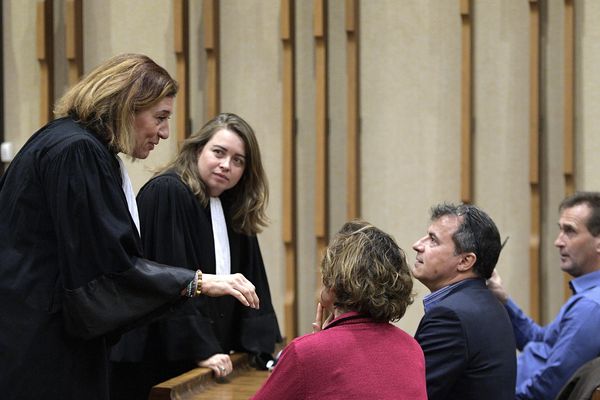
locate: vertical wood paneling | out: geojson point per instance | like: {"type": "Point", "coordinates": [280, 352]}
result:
{"type": "Point", "coordinates": [45, 56]}
{"type": "Point", "coordinates": [289, 167]}
{"type": "Point", "coordinates": [321, 129]}
{"type": "Point", "coordinates": [2, 127]}
{"type": "Point", "coordinates": [569, 104]}
{"type": "Point", "coordinates": [181, 35]}
{"type": "Point", "coordinates": [74, 39]}
{"type": "Point", "coordinates": [534, 158]}
{"type": "Point", "coordinates": [466, 165]}
{"type": "Point", "coordinates": [210, 15]}
{"type": "Point", "coordinates": [353, 87]}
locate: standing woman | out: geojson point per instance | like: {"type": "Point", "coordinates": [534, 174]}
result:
{"type": "Point", "coordinates": [71, 273]}
{"type": "Point", "coordinates": [204, 209]}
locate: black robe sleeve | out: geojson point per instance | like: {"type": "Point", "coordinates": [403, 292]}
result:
{"type": "Point", "coordinates": [177, 229]}
{"type": "Point", "coordinates": [71, 273]}
{"type": "Point", "coordinates": [106, 286]}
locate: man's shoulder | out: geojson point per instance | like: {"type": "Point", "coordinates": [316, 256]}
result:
{"type": "Point", "coordinates": [473, 304]}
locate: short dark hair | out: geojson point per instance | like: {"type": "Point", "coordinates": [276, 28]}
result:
{"type": "Point", "coordinates": [477, 233]}
{"type": "Point", "coordinates": [592, 199]}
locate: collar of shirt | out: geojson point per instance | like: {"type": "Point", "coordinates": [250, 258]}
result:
{"type": "Point", "coordinates": [585, 282]}
{"type": "Point", "coordinates": [350, 316]}
{"type": "Point", "coordinates": [435, 297]}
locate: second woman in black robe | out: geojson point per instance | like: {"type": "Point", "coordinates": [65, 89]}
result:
{"type": "Point", "coordinates": [177, 227]}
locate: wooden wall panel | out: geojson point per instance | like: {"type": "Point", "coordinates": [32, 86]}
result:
{"type": "Point", "coordinates": [181, 35]}
{"type": "Point", "coordinates": [289, 168]}
{"type": "Point", "coordinates": [534, 159]}
{"type": "Point", "coordinates": [45, 56]}
{"type": "Point", "coordinates": [353, 93]}
{"type": "Point", "coordinates": [210, 15]}
{"type": "Point", "coordinates": [466, 165]}
{"type": "Point", "coordinates": [569, 110]}
{"type": "Point", "coordinates": [2, 127]}
{"type": "Point", "coordinates": [74, 39]}
{"type": "Point", "coordinates": [321, 130]}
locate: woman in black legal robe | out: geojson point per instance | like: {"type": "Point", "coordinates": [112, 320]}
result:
{"type": "Point", "coordinates": [72, 274]}
{"type": "Point", "coordinates": [203, 211]}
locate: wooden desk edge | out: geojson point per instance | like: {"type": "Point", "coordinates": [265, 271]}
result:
{"type": "Point", "coordinates": [195, 380]}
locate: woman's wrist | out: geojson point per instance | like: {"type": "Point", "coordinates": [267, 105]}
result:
{"type": "Point", "coordinates": [194, 288]}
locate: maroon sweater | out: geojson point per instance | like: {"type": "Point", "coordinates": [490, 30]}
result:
{"type": "Point", "coordinates": [354, 357]}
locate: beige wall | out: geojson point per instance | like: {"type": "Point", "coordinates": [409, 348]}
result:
{"type": "Point", "coordinates": [410, 112]}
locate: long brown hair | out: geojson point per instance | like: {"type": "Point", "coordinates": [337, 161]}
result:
{"type": "Point", "coordinates": [250, 196]}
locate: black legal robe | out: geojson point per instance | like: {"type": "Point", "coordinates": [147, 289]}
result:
{"type": "Point", "coordinates": [177, 229]}
{"type": "Point", "coordinates": [71, 273]}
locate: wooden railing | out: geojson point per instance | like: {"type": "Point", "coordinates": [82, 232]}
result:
{"type": "Point", "coordinates": [200, 384]}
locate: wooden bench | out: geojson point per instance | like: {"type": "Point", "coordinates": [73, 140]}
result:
{"type": "Point", "coordinates": [200, 384]}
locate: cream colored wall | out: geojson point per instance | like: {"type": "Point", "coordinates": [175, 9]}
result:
{"type": "Point", "coordinates": [501, 109]}
{"type": "Point", "coordinates": [410, 112]}
{"type": "Point", "coordinates": [251, 88]}
{"type": "Point", "coordinates": [588, 95]}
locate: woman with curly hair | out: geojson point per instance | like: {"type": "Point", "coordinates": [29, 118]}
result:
{"type": "Point", "coordinates": [355, 353]}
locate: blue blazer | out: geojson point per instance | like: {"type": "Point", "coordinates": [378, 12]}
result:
{"type": "Point", "coordinates": [469, 346]}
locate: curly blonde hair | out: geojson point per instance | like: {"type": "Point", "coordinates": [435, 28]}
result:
{"type": "Point", "coordinates": [106, 100]}
{"type": "Point", "coordinates": [368, 272]}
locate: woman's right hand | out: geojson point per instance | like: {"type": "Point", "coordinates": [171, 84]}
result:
{"type": "Point", "coordinates": [219, 363]}
{"type": "Point", "coordinates": [235, 285]}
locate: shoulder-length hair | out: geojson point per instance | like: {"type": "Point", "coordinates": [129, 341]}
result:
{"type": "Point", "coordinates": [106, 100]}
{"type": "Point", "coordinates": [368, 272]}
{"type": "Point", "coordinates": [248, 199]}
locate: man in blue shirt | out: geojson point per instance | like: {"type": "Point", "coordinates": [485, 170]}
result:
{"type": "Point", "coordinates": [465, 334]}
{"type": "Point", "coordinates": [551, 354]}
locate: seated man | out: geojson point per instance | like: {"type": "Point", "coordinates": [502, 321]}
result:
{"type": "Point", "coordinates": [551, 354]}
{"type": "Point", "coordinates": [465, 334]}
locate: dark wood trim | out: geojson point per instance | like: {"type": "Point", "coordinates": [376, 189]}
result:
{"type": "Point", "coordinates": [210, 15]}
{"type": "Point", "coordinates": [45, 56]}
{"type": "Point", "coordinates": [466, 164]}
{"type": "Point", "coordinates": [322, 131]}
{"type": "Point", "coordinates": [353, 130]}
{"type": "Point", "coordinates": [74, 42]}
{"type": "Point", "coordinates": [181, 35]}
{"type": "Point", "coordinates": [2, 127]}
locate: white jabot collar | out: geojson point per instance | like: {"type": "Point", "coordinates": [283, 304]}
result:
{"type": "Point", "coordinates": [222, 255]}
{"type": "Point", "coordinates": [129, 194]}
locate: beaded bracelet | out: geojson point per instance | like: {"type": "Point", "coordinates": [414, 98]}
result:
{"type": "Point", "coordinates": [194, 288]}
{"type": "Point", "coordinates": [198, 290]}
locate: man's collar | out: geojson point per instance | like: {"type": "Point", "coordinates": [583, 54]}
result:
{"type": "Point", "coordinates": [585, 282]}
{"type": "Point", "coordinates": [435, 297]}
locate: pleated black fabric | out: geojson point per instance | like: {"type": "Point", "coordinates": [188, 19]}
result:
{"type": "Point", "coordinates": [71, 276]}
{"type": "Point", "coordinates": [176, 229]}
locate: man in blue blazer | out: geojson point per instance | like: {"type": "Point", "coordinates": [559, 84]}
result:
{"type": "Point", "coordinates": [466, 334]}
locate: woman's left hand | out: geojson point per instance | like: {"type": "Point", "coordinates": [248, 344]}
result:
{"type": "Point", "coordinates": [219, 363]}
